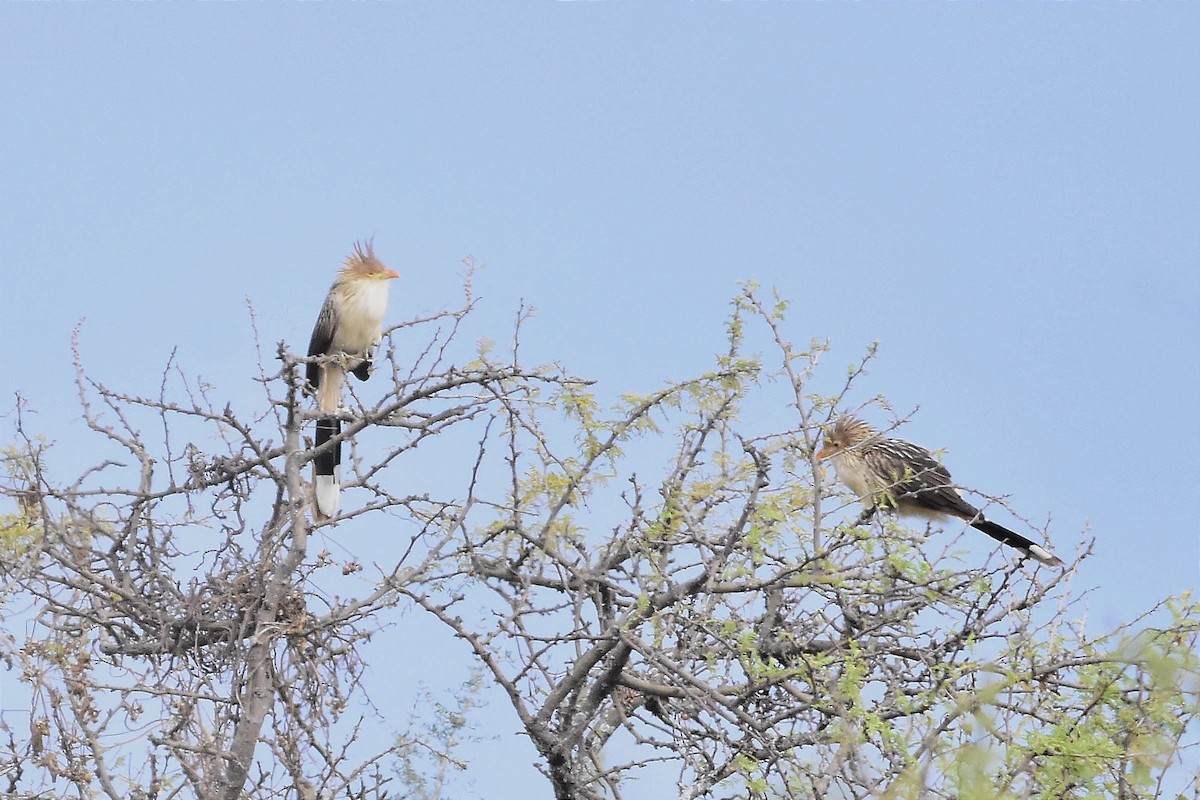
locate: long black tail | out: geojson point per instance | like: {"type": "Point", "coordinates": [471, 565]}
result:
{"type": "Point", "coordinates": [1015, 540]}
{"type": "Point", "coordinates": [327, 467]}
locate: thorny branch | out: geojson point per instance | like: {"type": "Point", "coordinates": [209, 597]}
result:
{"type": "Point", "coordinates": [666, 584]}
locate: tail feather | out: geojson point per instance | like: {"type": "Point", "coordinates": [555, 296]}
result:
{"type": "Point", "coordinates": [327, 467]}
{"type": "Point", "coordinates": [329, 392]}
{"type": "Point", "coordinates": [1017, 541]}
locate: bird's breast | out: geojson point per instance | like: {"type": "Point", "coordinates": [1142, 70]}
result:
{"type": "Point", "coordinates": [854, 473]}
{"type": "Point", "coordinates": [360, 317]}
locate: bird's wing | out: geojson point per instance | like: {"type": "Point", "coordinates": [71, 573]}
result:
{"type": "Point", "coordinates": [322, 339]}
{"type": "Point", "coordinates": [363, 370]}
{"type": "Point", "coordinates": [918, 478]}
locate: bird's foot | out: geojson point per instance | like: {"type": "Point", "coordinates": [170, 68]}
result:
{"type": "Point", "coordinates": [865, 516]}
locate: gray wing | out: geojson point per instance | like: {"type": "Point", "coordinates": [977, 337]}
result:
{"type": "Point", "coordinates": [322, 338]}
{"type": "Point", "coordinates": [917, 477]}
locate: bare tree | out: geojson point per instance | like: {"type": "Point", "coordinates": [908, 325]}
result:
{"type": "Point", "coordinates": [179, 636]}
{"type": "Point", "coordinates": [667, 589]}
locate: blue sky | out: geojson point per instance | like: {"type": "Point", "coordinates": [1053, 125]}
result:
{"type": "Point", "coordinates": [1006, 197]}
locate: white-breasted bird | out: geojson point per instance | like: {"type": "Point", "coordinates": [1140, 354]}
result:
{"type": "Point", "coordinates": [350, 324]}
{"type": "Point", "coordinates": [900, 475]}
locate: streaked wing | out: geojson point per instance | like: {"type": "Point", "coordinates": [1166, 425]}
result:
{"type": "Point", "coordinates": [322, 339]}
{"type": "Point", "coordinates": [917, 477]}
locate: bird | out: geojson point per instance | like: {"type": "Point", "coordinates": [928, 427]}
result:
{"type": "Point", "coordinates": [349, 325]}
{"type": "Point", "coordinates": [906, 477]}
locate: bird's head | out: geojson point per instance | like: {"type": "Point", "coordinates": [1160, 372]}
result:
{"type": "Point", "coordinates": [362, 264]}
{"type": "Point", "coordinates": [846, 432]}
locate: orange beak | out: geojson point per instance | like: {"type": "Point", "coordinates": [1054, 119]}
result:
{"type": "Point", "coordinates": [824, 453]}
{"type": "Point", "coordinates": [390, 273]}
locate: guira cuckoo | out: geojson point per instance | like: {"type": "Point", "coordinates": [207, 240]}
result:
{"type": "Point", "coordinates": [906, 477]}
{"type": "Point", "coordinates": [350, 324]}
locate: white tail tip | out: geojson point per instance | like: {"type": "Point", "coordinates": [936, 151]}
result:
{"type": "Point", "coordinates": [1045, 556]}
{"type": "Point", "coordinates": [328, 492]}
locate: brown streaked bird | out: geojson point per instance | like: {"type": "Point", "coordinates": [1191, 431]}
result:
{"type": "Point", "coordinates": [897, 474]}
{"type": "Point", "coordinates": [350, 324]}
